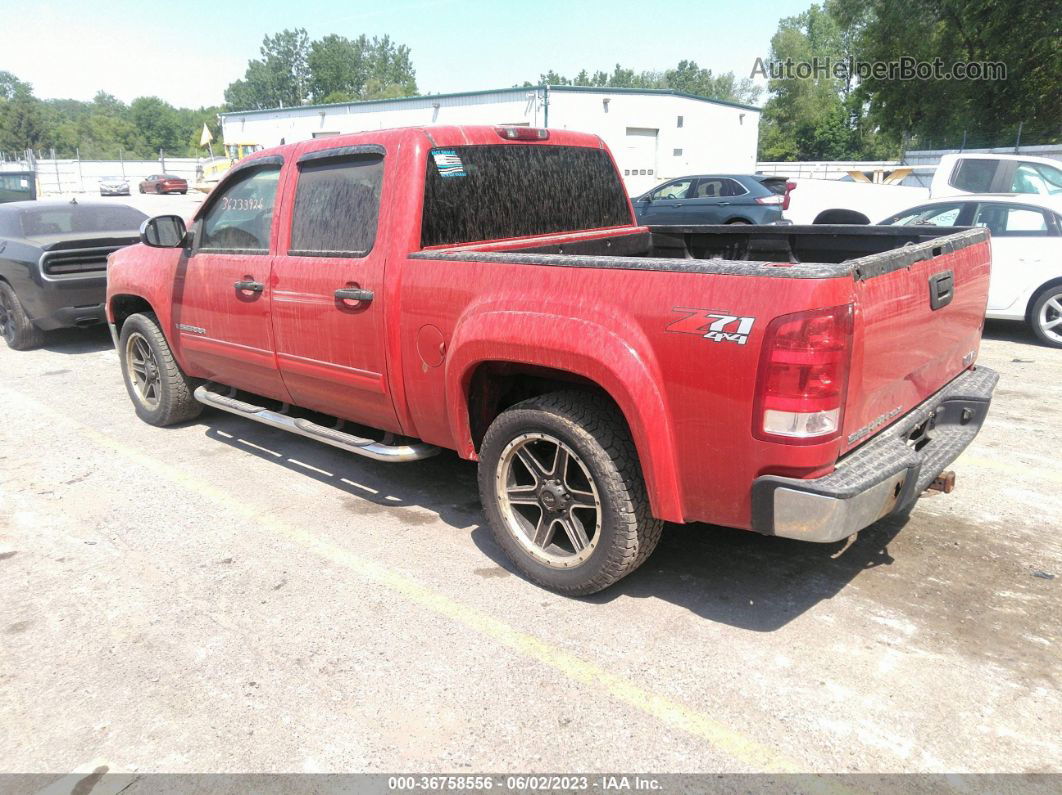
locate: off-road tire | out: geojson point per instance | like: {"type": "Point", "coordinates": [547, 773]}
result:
{"type": "Point", "coordinates": [594, 429]}
{"type": "Point", "coordinates": [176, 403]}
{"type": "Point", "coordinates": [1048, 295]}
{"type": "Point", "coordinates": [19, 332]}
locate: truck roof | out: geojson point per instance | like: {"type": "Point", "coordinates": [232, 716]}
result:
{"type": "Point", "coordinates": [437, 136]}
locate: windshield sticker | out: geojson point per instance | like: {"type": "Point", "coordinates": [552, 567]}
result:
{"type": "Point", "coordinates": [448, 162]}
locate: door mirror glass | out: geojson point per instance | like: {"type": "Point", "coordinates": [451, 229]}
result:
{"type": "Point", "coordinates": [163, 231]}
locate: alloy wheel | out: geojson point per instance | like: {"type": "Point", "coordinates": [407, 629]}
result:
{"type": "Point", "coordinates": [548, 499]}
{"type": "Point", "coordinates": [143, 370]}
{"type": "Point", "coordinates": [7, 322]}
{"type": "Point", "coordinates": [1050, 317]}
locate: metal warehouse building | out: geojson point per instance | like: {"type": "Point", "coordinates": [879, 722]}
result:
{"type": "Point", "coordinates": [654, 134]}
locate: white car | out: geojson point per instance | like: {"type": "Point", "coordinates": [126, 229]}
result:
{"type": "Point", "coordinates": [976, 173]}
{"type": "Point", "coordinates": [1026, 252]}
{"type": "Point", "coordinates": [114, 186]}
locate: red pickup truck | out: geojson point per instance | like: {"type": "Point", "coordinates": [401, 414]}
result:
{"type": "Point", "coordinates": [486, 289]}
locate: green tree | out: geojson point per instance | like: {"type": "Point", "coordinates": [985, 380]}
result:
{"type": "Point", "coordinates": [157, 123]}
{"type": "Point", "coordinates": [1023, 36]}
{"type": "Point", "coordinates": [692, 79]}
{"type": "Point", "coordinates": [686, 77]}
{"type": "Point", "coordinates": [280, 79]}
{"type": "Point", "coordinates": [294, 69]}
{"type": "Point", "coordinates": [338, 68]}
{"type": "Point", "coordinates": [22, 122]}
{"type": "Point", "coordinates": [390, 70]}
{"type": "Point", "coordinates": [11, 85]}
{"type": "Point", "coordinates": [821, 117]}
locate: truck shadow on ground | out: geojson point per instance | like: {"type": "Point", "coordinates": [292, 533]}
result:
{"type": "Point", "coordinates": [735, 577]}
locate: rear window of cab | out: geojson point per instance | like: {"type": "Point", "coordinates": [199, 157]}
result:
{"type": "Point", "coordinates": [495, 192]}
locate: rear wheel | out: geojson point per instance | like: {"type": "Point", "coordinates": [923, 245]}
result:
{"type": "Point", "coordinates": [16, 328]}
{"type": "Point", "coordinates": [1046, 316]}
{"type": "Point", "coordinates": [159, 389]}
{"type": "Point", "coordinates": [562, 488]}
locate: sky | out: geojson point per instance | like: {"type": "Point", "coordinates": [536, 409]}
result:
{"type": "Point", "coordinates": [187, 53]}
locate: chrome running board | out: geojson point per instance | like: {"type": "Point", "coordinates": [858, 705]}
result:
{"type": "Point", "coordinates": [344, 441]}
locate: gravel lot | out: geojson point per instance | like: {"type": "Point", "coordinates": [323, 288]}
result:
{"type": "Point", "coordinates": [221, 596]}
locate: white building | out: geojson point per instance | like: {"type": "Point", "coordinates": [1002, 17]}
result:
{"type": "Point", "coordinates": [654, 134]}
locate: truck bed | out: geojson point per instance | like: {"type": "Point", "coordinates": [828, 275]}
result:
{"type": "Point", "coordinates": [791, 252]}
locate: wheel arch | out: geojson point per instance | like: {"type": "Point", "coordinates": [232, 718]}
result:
{"type": "Point", "coordinates": [122, 305]}
{"type": "Point", "coordinates": [536, 353]}
{"type": "Point", "coordinates": [1035, 295]}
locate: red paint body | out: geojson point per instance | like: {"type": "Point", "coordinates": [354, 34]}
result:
{"type": "Point", "coordinates": [405, 362]}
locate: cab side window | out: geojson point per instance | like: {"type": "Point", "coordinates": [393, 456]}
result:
{"type": "Point", "coordinates": [337, 206]}
{"type": "Point", "coordinates": [1008, 220]}
{"type": "Point", "coordinates": [975, 175]}
{"type": "Point", "coordinates": [239, 219]}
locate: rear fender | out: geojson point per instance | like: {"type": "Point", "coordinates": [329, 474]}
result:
{"type": "Point", "coordinates": [622, 366]}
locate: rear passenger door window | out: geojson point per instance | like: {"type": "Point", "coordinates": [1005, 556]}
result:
{"type": "Point", "coordinates": [337, 206]}
{"type": "Point", "coordinates": [328, 285]}
{"type": "Point", "coordinates": [1010, 220]}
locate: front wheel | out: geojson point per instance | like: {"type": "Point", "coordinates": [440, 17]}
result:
{"type": "Point", "coordinates": [160, 391]}
{"type": "Point", "coordinates": [1046, 317]}
{"type": "Point", "coordinates": [16, 327]}
{"type": "Point", "coordinates": [563, 491]}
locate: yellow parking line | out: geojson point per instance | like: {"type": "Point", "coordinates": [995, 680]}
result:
{"type": "Point", "coordinates": [693, 722]}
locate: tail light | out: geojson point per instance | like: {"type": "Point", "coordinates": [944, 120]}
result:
{"type": "Point", "coordinates": [790, 186]}
{"type": "Point", "coordinates": [774, 198]}
{"type": "Point", "coordinates": [803, 377]}
{"type": "Point", "coordinates": [522, 133]}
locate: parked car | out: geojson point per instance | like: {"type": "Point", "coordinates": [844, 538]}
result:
{"type": "Point", "coordinates": [17, 186]}
{"type": "Point", "coordinates": [606, 376]}
{"type": "Point", "coordinates": [1026, 252]}
{"type": "Point", "coordinates": [164, 183]}
{"type": "Point", "coordinates": [783, 186]}
{"type": "Point", "coordinates": [711, 199]}
{"type": "Point", "coordinates": [53, 264]}
{"type": "Point", "coordinates": [967, 172]}
{"type": "Point", "coordinates": [114, 186]}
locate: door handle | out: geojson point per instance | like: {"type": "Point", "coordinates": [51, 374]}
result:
{"type": "Point", "coordinates": [724, 204]}
{"type": "Point", "coordinates": [354, 294]}
{"type": "Point", "coordinates": [941, 289]}
{"type": "Point", "coordinates": [254, 287]}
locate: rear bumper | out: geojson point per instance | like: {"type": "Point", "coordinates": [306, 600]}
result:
{"type": "Point", "coordinates": [885, 475]}
{"type": "Point", "coordinates": [65, 302]}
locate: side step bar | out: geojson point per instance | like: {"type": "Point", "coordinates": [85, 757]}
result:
{"type": "Point", "coordinates": [311, 430]}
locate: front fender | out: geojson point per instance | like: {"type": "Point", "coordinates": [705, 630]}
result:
{"type": "Point", "coordinates": [624, 366]}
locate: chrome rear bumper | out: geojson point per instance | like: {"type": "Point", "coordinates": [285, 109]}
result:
{"type": "Point", "coordinates": [885, 475]}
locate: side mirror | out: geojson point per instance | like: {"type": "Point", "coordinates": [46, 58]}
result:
{"type": "Point", "coordinates": [163, 231]}
{"type": "Point", "coordinates": [648, 198]}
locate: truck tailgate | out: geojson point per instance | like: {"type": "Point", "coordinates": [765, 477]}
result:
{"type": "Point", "coordinates": [919, 314]}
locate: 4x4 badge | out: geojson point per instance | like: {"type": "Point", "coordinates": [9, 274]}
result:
{"type": "Point", "coordinates": [714, 326]}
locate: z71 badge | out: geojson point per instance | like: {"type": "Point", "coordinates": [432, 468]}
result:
{"type": "Point", "coordinates": [714, 326]}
